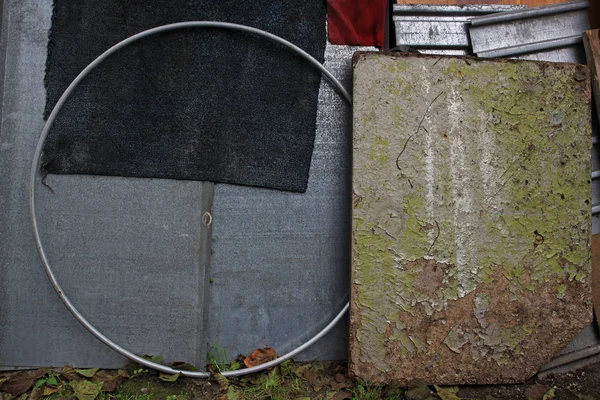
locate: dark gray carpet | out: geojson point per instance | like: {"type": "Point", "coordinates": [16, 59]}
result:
{"type": "Point", "coordinates": [193, 104]}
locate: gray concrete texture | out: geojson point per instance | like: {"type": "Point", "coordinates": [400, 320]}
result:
{"type": "Point", "coordinates": [471, 217]}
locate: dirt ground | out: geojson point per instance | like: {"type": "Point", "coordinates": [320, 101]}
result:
{"type": "Point", "coordinates": [291, 381]}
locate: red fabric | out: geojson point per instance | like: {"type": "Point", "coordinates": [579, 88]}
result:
{"type": "Point", "coordinates": [356, 22]}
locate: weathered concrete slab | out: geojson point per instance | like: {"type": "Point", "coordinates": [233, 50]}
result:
{"type": "Point", "coordinates": [471, 217]}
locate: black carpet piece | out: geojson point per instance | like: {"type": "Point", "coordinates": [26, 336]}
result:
{"type": "Point", "coordinates": [198, 104]}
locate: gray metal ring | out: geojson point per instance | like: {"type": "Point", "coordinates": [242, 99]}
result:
{"type": "Point", "coordinates": [34, 172]}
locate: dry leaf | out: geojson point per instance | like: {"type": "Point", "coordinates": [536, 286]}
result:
{"type": "Point", "coordinates": [340, 385]}
{"type": "Point", "coordinates": [260, 356]}
{"type": "Point", "coordinates": [69, 374]}
{"type": "Point", "coordinates": [343, 395]}
{"type": "Point", "coordinates": [36, 394]}
{"type": "Point", "coordinates": [221, 380]}
{"type": "Point", "coordinates": [88, 373]}
{"type": "Point", "coordinates": [21, 382]}
{"type": "Point", "coordinates": [447, 393]}
{"type": "Point", "coordinates": [299, 371]}
{"type": "Point", "coordinates": [85, 390]}
{"type": "Point", "coordinates": [48, 391]}
{"type": "Point", "coordinates": [183, 366]}
{"type": "Point", "coordinates": [549, 395]}
{"type": "Point", "coordinates": [168, 377]}
{"type": "Point", "coordinates": [536, 392]}
{"type": "Point", "coordinates": [110, 380]}
{"type": "Point", "coordinates": [418, 393]}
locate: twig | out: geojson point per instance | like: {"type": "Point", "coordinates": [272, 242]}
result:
{"type": "Point", "coordinates": [402, 151]}
{"type": "Point", "coordinates": [436, 238]}
{"type": "Point", "coordinates": [386, 232]}
{"type": "Point", "coordinates": [417, 130]}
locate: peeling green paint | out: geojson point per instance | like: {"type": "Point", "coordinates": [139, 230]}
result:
{"type": "Point", "coordinates": [427, 234]}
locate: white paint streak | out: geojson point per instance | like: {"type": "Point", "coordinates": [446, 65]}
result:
{"type": "Point", "coordinates": [487, 147]}
{"type": "Point", "coordinates": [429, 168]}
{"type": "Point", "coordinates": [462, 196]}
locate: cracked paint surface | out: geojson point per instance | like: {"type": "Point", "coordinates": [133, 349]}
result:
{"type": "Point", "coordinates": [471, 217]}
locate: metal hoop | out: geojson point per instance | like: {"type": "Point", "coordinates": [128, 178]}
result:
{"type": "Point", "coordinates": [36, 161]}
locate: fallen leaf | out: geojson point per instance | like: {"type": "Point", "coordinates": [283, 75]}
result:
{"type": "Point", "coordinates": [36, 394]}
{"type": "Point", "coordinates": [447, 393]}
{"type": "Point", "coordinates": [319, 368]}
{"type": "Point", "coordinates": [183, 366]}
{"type": "Point", "coordinates": [168, 377]}
{"type": "Point", "coordinates": [85, 390]}
{"type": "Point", "coordinates": [549, 395]}
{"type": "Point", "coordinates": [340, 378]}
{"type": "Point", "coordinates": [260, 356]}
{"type": "Point", "coordinates": [69, 374]}
{"type": "Point", "coordinates": [536, 392]}
{"type": "Point", "coordinates": [338, 367]}
{"type": "Point", "coordinates": [52, 381]}
{"type": "Point", "coordinates": [48, 391]}
{"type": "Point", "coordinates": [418, 393]}
{"type": "Point", "coordinates": [21, 382]}
{"type": "Point", "coordinates": [88, 373]}
{"type": "Point", "coordinates": [343, 395]}
{"type": "Point", "coordinates": [310, 376]}
{"type": "Point", "coordinates": [299, 371]}
{"type": "Point", "coordinates": [232, 394]}
{"type": "Point", "coordinates": [286, 367]}
{"type": "Point", "coordinates": [221, 380]}
{"type": "Point", "coordinates": [340, 385]}
{"type": "Point", "coordinates": [110, 380]}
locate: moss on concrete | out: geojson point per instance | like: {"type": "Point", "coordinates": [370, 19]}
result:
{"type": "Point", "coordinates": [473, 180]}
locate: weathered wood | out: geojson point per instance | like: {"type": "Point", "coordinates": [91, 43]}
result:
{"type": "Point", "coordinates": [591, 42]}
{"type": "Point", "coordinates": [471, 217]}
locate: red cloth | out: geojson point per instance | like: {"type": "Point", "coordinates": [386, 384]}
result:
{"type": "Point", "coordinates": [356, 22]}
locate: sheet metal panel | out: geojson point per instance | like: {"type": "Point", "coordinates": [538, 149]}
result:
{"type": "Point", "coordinates": [439, 27]}
{"type": "Point", "coordinates": [127, 251]}
{"type": "Point", "coordinates": [280, 266]}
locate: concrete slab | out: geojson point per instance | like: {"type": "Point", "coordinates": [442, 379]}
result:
{"type": "Point", "coordinates": [471, 217]}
